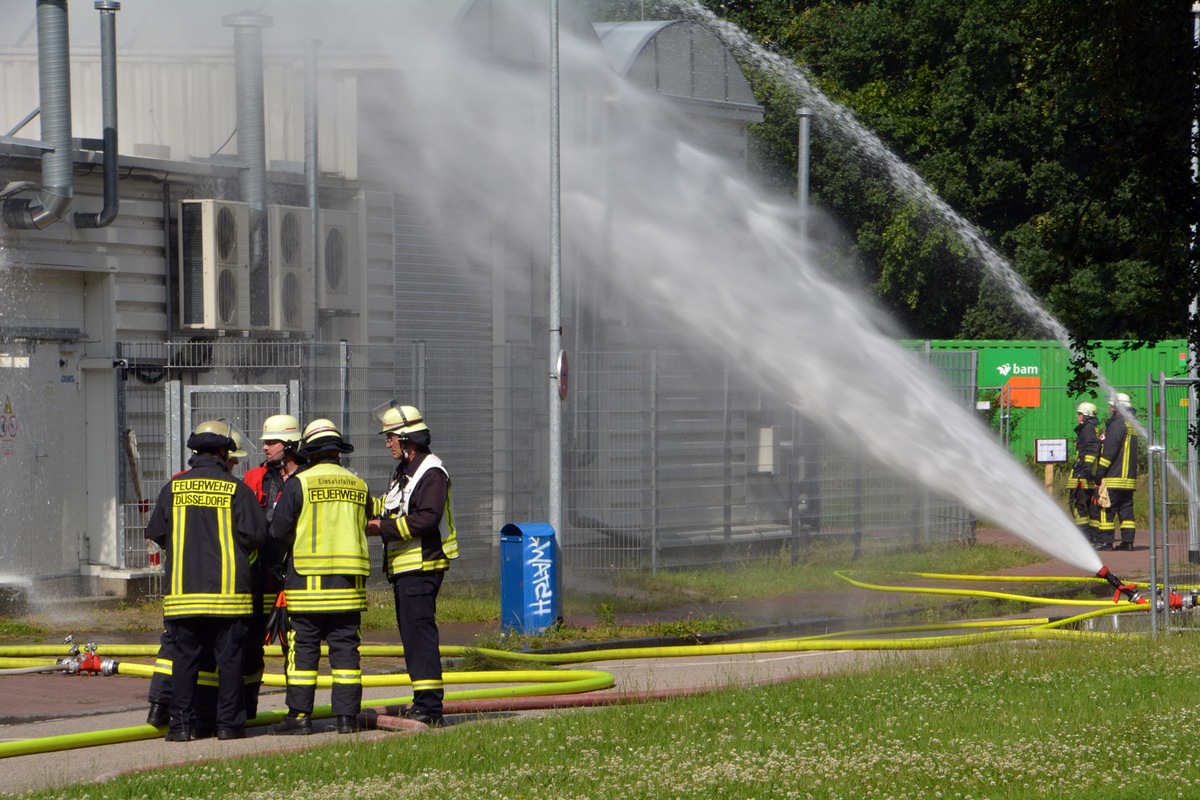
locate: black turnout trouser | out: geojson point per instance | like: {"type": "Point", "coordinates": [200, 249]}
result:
{"type": "Point", "coordinates": [252, 656]}
{"type": "Point", "coordinates": [341, 631]}
{"type": "Point", "coordinates": [195, 642]}
{"type": "Point", "coordinates": [1121, 508]}
{"type": "Point", "coordinates": [206, 685]}
{"type": "Point", "coordinates": [416, 612]}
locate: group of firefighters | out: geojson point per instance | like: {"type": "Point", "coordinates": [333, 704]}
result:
{"type": "Point", "coordinates": [293, 533]}
{"type": "Point", "coordinates": [1104, 474]}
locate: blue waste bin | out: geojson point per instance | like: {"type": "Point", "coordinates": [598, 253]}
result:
{"type": "Point", "coordinates": [529, 597]}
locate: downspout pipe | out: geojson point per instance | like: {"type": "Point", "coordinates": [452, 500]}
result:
{"type": "Point", "coordinates": [251, 114]}
{"type": "Point", "coordinates": [108, 83]}
{"type": "Point", "coordinates": [252, 151]}
{"type": "Point", "coordinates": [54, 87]}
{"type": "Point", "coordinates": [312, 172]}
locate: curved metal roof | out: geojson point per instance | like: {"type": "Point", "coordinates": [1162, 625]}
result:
{"type": "Point", "coordinates": [625, 41]}
{"type": "Point", "coordinates": [677, 57]}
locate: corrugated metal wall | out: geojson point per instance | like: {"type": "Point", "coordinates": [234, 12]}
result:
{"type": "Point", "coordinates": [180, 106]}
{"type": "Point", "coordinates": [661, 469]}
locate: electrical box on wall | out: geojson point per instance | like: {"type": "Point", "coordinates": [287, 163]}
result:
{"type": "Point", "coordinates": [214, 265]}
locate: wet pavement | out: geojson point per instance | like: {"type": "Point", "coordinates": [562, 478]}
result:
{"type": "Point", "coordinates": [73, 704]}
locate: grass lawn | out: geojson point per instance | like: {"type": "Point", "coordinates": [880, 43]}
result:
{"type": "Point", "coordinates": [1109, 717]}
{"type": "Point", "coordinates": [1106, 717]}
{"type": "Point", "coordinates": [467, 602]}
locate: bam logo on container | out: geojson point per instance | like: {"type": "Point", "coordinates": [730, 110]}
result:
{"type": "Point", "coordinates": [1016, 372]}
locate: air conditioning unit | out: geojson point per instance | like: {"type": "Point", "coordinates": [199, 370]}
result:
{"type": "Point", "coordinates": [290, 264]}
{"type": "Point", "coordinates": [214, 265]}
{"type": "Point", "coordinates": [338, 262]}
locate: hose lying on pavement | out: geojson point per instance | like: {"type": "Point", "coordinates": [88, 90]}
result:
{"type": "Point", "coordinates": [556, 688]}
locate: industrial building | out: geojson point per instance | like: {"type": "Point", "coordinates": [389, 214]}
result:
{"type": "Point", "coordinates": [313, 208]}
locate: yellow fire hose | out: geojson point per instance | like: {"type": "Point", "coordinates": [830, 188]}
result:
{"type": "Point", "coordinates": [553, 682]}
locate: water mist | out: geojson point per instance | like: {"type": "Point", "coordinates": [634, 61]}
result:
{"type": "Point", "coordinates": [905, 178]}
{"type": "Point", "coordinates": [685, 233]}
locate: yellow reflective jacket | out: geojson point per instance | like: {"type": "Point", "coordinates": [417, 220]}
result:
{"type": "Point", "coordinates": [322, 517]}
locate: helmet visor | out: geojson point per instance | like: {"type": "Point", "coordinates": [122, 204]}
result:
{"type": "Point", "coordinates": [380, 413]}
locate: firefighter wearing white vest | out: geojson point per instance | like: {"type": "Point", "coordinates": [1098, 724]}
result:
{"type": "Point", "coordinates": [416, 525]}
{"type": "Point", "coordinates": [325, 585]}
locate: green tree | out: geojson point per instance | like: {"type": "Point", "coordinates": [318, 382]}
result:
{"type": "Point", "coordinates": [1061, 130]}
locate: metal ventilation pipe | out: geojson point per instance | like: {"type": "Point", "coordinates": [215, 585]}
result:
{"type": "Point", "coordinates": [54, 87]}
{"type": "Point", "coordinates": [108, 85]}
{"type": "Point", "coordinates": [312, 170]}
{"type": "Point", "coordinates": [251, 115]}
{"type": "Point", "coordinates": [252, 151]}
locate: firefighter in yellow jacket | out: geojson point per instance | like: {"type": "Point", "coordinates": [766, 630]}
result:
{"type": "Point", "coordinates": [320, 520]}
{"type": "Point", "coordinates": [416, 525]}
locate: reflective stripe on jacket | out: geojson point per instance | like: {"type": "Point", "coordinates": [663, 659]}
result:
{"type": "Point", "coordinates": [417, 553]}
{"type": "Point", "coordinates": [321, 519]}
{"type": "Point", "coordinates": [331, 530]}
{"type": "Point", "coordinates": [208, 523]}
{"type": "Point", "coordinates": [1118, 463]}
{"type": "Point", "coordinates": [1087, 450]}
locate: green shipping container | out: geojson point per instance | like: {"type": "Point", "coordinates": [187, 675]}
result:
{"type": "Point", "coordinates": [1033, 376]}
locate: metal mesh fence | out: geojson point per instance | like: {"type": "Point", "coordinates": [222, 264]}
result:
{"type": "Point", "coordinates": [667, 461]}
{"type": "Point", "coordinates": [1174, 535]}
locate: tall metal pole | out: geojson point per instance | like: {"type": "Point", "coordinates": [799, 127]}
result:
{"type": "Point", "coordinates": [1193, 368]}
{"type": "Point", "coordinates": [803, 461]}
{"type": "Point", "coordinates": [312, 174]}
{"type": "Point", "coordinates": [805, 113]}
{"type": "Point", "coordinates": [312, 177]}
{"type": "Point", "coordinates": [555, 409]}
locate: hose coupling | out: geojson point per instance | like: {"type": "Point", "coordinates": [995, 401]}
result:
{"type": "Point", "coordinates": [1178, 600]}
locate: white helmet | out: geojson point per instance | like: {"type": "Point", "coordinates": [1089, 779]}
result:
{"type": "Point", "coordinates": [212, 435]}
{"type": "Point", "coordinates": [398, 419]}
{"type": "Point", "coordinates": [239, 443]}
{"type": "Point", "coordinates": [281, 428]}
{"type": "Point", "coordinates": [1121, 399]}
{"type": "Point", "coordinates": [322, 435]}
{"type": "Point", "coordinates": [1086, 409]}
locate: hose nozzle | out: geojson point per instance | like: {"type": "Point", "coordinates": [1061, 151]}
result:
{"type": "Point", "coordinates": [1128, 589]}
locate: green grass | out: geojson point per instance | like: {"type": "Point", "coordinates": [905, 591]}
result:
{"type": "Point", "coordinates": [1103, 718]}
{"type": "Point", "coordinates": [687, 591]}
{"type": "Point", "coordinates": [13, 628]}
{"type": "Point", "coordinates": [776, 576]}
